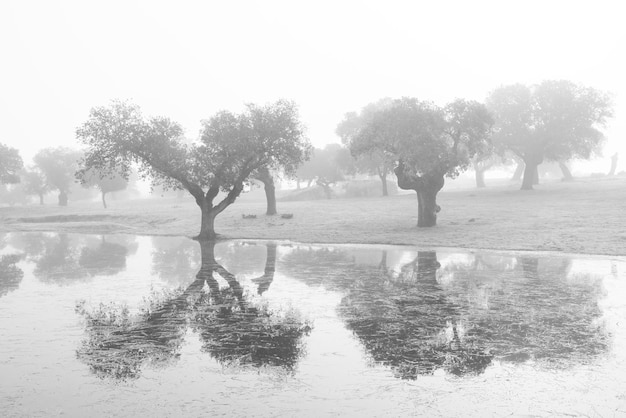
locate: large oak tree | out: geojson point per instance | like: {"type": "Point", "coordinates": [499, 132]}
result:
{"type": "Point", "coordinates": [230, 149]}
{"type": "Point", "coordinates": [554, 120]}
{"type": "Point", "coordinates": [426, 143]}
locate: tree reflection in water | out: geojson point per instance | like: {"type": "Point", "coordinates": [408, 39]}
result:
{"type": "Point", "coordinates": [422, 317]}
{"type": "Point", "coordinates": [62, 258]}
{"type": "Point", "coordinates": [231, 330]}
{"type": "Point", "coordinates": [402, 322]}
{"type": "Point", "coordinates": [10, 274]}
{"type": "Point", "coordinates": [108, 258]}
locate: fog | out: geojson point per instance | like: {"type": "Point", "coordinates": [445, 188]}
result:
{"type": "Point", "coordinates": [186, 61]}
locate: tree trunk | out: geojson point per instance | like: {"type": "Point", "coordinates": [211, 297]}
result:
{"type": "Point", "coordinates": [531, 171]}
{"type": "Point", "coordinates": [327, 191]}
{"type": "Point", "coordinates": [517, 176]}
{"type": "Point", "coordinates": [270, 190]}
{"type": "Point", "coordinates": [297, 184]}
{"type": "Point", "coordinates": [530, 267]}
{"type": "Point", "coordinates": [104, 202]}
{"type": "Point", "coordinates": [567, 175]}
{"type": "Point", "coordinates": [426, 186]}
{"type": "Point", "coordinates": [270, 196]}
{"type": "Point", "coordinates": [62, 198]}
{"type": "Point", "coordinates": [480, 177]}
{"type": "Point", "coordinates": [529, 176]}
{"type": "Point", "coordinates": [40, 198]}
{"type": "Point", "coordinates": [383, 178]}
{"type": "Point", "coordinates": [264, 282]}
{"type": "Point", "coordinates": [427, 207]}
{"type": "Point", "coordinates": [613, 164]}
{"type": "Point", "coordinates": [207, 225]}
{"type": "Point", "coordinates": [209, 211]}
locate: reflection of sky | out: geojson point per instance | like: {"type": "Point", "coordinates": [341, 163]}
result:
{"type": "Point", "coordinates": [336, 374]}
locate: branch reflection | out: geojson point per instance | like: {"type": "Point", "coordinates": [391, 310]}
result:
{"type": "Point", "coordinates": [232, 330]}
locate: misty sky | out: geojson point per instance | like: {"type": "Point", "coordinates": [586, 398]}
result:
{"type": "Point", "coordinates": [187, 60]}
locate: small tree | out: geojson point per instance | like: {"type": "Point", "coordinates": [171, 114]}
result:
{"type": "Point", "coordinates": [231, 148]}
{"type": "Point", "coordinates": [554, 120]}
{"type": "Point", "coordinates": [34, 183]}
{"type": "Point", "coordinates": [325, 167]}
{"type": "Point", "coordinates": [427, 143]}
{"type": "Point", "coordinates": [10, 165]}
{"type": "Point", "coordinates": [376, 161]}
{"type": "Point", "coordinates": [58, 165]}
{"type": "Point", "coordinates": [106, 183]}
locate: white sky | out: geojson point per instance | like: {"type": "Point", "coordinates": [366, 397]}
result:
{"type": "Point", "coordinates": [187, 60]}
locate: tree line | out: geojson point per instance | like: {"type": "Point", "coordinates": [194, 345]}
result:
{"type": "Point", "coordinates": [419, 142]}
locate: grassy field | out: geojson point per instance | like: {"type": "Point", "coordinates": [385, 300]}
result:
{"type": "Point", "coordinates": [585, 216]}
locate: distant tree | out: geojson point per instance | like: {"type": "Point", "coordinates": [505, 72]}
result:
{"type": "Point", "coordinates": [34, 183]}
{"type": "Point", "coordinates": [614, 158]}
{"type": "Point", "coordinates": [231, 148]}
{"type": "Point", "coordinates": [306, 172]}
{"type": "Point", "coordinates": [427, 143]}
{"type": "Point", "coordinates": [326, 166]}
{"type": "Point", "coordinates": [106, 183]}
{"type": "Point", "coordinates": [554, 120]}
{"type": "Point", "coordinates": [58, 165]}
{"type": "Point", "coordinates": [376, 161]}
{"type": "Point", "coordinates": [10, 165]}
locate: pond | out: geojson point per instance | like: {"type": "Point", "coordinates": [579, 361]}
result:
{"type": "Point", "coordinates": [124, 325]}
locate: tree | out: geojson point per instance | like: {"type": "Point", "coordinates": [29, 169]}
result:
{"type": "Point", "coordinates": [230, 149]}
{"type": "Point", "coordinates": [427, 143]}
{"type": "Point", "coordinates": [554, 120]}
{"type": "Point", "coordinates": [376, 161]}
{"type": "Point", "coordinates": [34, 183]}
{"type": "Point", "coordinates": [58, 165]}
{"type": "Point", "coordinates": [10, 165]}
{"type": "Point", "coordinates": [106, 183]}
{"type": "Point", "coordinates": [614, 158]}
{"type": "Point", "coordinates": [326, 167]}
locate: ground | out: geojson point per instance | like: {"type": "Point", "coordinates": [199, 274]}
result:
{"type": "Point", "coordinates": [587, 216]}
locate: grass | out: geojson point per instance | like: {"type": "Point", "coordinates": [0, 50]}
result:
{"type": "Point", "coordinates": [585, 216]}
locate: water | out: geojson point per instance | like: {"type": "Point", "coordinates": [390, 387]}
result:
{"type": "Point", "coordinates": [152, 326]}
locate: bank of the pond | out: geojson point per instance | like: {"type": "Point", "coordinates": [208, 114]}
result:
{"type": "Point", "coordinates": [587, 216]}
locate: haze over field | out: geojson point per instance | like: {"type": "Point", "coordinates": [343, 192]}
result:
{"type": "Point", "coordinates": [187, 60]}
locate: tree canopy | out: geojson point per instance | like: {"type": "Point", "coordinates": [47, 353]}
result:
{"type": "Point", "coordinates": [230, 148]}
{"type": "Point", "coordinates": [554, 120]}
{"type": "Point", "coordinates": [326, 166]}
{"type": "Point", "coordinates": [34, 183]}
{"type": "Point", "coordinates": [58, 166]}
{"type": "Point", "coordinates": [375, 161]}
{"type": "Point", "coordinates": [106, 183]}
{"type": "Point", "coordinates": [426, 143]}
{"type": "Point", "coordinates": [10, 165]}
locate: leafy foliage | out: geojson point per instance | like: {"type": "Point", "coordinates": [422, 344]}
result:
{"type": "Point", "coordinates": [230, 148]}
{"type": "Point", "coordinates": [34, 182]}
{"type": "Point", "coordinates": [426, 138]}
{"type": "Point", "coordinates": [58, 166]}
{"type": "Point", "coordinates": [557, 120]}
{"type": "Point", "coordinates": [10, 164]}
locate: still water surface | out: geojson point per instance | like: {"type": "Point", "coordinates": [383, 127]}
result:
{"type": "Point", "coordinates": [152, 326]}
